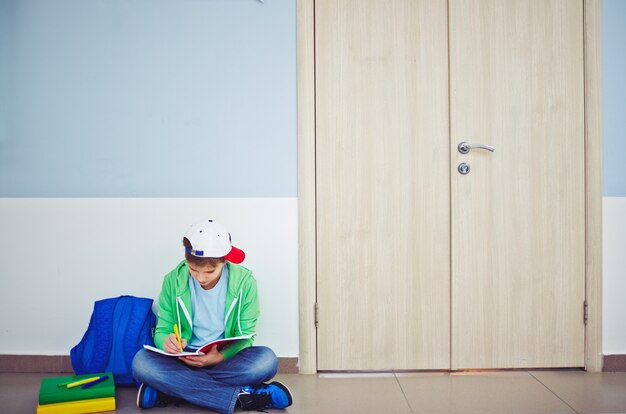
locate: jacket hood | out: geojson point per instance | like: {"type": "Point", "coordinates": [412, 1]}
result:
{"type": "Point", "coordinates": [237, 275]}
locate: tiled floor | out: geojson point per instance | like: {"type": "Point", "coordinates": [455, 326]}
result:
{"type": "Point", "coordinates": [517, 392]}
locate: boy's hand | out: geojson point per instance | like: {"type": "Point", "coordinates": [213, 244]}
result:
{"type": "Point", "coordinates": [211, 358]}
{"type": "Point", "coordinates": [170, 345]}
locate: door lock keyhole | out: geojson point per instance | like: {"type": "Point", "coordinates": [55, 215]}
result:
{"type": "Point", "coordinates": [464, 168]}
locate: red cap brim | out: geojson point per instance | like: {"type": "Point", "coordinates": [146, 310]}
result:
{"type": "Point", "coordinates": [235, 255]}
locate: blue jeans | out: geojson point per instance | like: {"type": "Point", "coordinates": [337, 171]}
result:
{"type": "Point", "coordinates": [213, 387]}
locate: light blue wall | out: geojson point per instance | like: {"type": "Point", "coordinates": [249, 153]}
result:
{"type": "Point", "coordinates": [614, 97]}
{"type": "Point", "coordinates": [148, 98]}
{"type": "Point", "coordinates": [143, 98]}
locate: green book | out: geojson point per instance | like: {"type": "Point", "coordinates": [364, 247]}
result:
{"type": "Point", "coordinates": [54, 390]}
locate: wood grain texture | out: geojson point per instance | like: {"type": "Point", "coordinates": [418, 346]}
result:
{"type": "Point", "coordinates": [518, 218]}
{"type": "Point", "coordinates": [593, 153]}
{"type": "Point", "coordinates": [306, 186]}
{"type": "Point", "coordinates": [382, 173]}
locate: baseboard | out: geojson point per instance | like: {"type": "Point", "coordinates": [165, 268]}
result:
{"type": "Point", "coordinates": [614, 363]}
{"type": "Point", "coordinates": [288, 366]}
{"type": "Point", "coordinates": [35, 363]}
{"type": "Point", "coordinates": [62, 364]}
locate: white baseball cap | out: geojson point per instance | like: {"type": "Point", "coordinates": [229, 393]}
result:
{"type": "Point", "coordinates": [210, 239]}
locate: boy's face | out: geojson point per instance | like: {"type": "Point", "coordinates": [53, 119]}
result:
{"type": "Point", "coordinates": [207, 275]}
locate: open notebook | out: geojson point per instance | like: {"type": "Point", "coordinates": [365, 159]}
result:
{"type": "Point", "coordinates": [220, 343]}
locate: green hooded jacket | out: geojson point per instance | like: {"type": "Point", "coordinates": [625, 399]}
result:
{"type": "Point", "coordinates": [240, 314]}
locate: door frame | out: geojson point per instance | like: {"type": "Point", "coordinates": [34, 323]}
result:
{"type": "Point", "coordinates": [307, 267]}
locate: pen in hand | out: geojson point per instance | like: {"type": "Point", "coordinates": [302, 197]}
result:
{"type": "Point", "coordinates": [180, 344]}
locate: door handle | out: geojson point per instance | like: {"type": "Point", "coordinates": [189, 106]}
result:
{"type": "Point", "coordinates": [465, 147]}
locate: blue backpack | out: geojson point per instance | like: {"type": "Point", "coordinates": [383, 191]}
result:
{"type": "Point", "coordinates": [119, 327]}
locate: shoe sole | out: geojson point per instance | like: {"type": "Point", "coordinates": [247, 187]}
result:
{"type": "Point", "coordinates": [139, 394]}
{"type": "Point", "coordinates": [284, 388]}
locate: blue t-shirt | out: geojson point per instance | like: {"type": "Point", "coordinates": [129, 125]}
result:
{"type": "Point", "coordinates": [208, 310]}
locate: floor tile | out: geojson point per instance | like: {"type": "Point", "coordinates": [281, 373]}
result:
{"type": "Point", "coordinates": [587, 392]}
{"type": "Point", "coordinates": [312, 394]}
{"type": "Point", "coordinates": [536, 392]}
{"type": "Point", "coordinates": [346, 395]}
{"type": "Point", "coordinates": [484, 393]}
{"type": "Point", "coordinates": [19, 393]}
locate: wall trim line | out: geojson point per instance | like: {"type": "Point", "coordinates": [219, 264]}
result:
{"type": "Point", "coordinates": [614, 363]}
{"type": "Point", "coordinates": [62, 364]}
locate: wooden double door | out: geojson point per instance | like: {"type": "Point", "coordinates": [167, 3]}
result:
{"type": "Point", "coordinates": [429, 257]}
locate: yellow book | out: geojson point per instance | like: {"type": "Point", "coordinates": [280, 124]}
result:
{"type": "Point", "coordinates": [94, 405]}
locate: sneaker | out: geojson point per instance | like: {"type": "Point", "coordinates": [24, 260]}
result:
{"type": "Point", "coordinates": [262, 396]}
{"type": "Point", "coordinates": [148, 397]}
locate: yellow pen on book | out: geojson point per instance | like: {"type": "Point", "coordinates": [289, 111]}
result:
{"type": "Point", "coordinates": [65, 384]}
{"type": "Point", "coordinates": [180, 343]}
{"type": "Point", "coordinates": [81, 382]}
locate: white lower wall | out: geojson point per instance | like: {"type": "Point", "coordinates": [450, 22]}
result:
{"type": "Point", "coordinates": [58, 256]}
{"type": "Point", "coordinates": [614, 276]}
